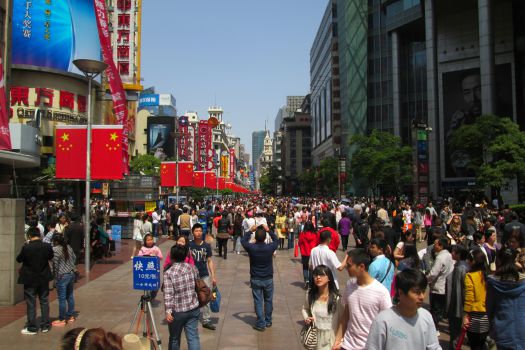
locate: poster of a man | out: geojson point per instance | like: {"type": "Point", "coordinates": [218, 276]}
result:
{"type": "Point", "coordinates": [462, 105]}
{"type": "Point", "coordinates": [159, 136]}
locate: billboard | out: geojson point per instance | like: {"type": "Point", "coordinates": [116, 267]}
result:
{"type": "Point", "coordinates": [160, 140]}
{"type": "Point", "coordinates": [462, 106]}
{"type": "Point", "coordinates": [51, 33]}
{"type": "Point", "coordinates": [148, 100]}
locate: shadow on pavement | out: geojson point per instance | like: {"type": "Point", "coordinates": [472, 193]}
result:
{"type": "Point", "coordinates": [249, 319]}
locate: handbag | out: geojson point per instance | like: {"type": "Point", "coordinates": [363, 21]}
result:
{"type": "Point", "coordinates": [112, 246]}
{"type": "Point", "coordinates": [203, 292]}
{"type": "Point", "coordinates": [309, 334]}
{"type": "Point", "coordinates": [215, 303]}
{"type": "Point", "coordinates": [296, 251]}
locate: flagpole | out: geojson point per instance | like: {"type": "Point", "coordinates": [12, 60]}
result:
{"type": "Point", "coordinates": [90, 68]}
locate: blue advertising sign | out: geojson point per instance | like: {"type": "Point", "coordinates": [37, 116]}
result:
{"type": "Point", "coordinates": [116, 232]}
{"type": "Point", "coordinates": [149, 100]}
{"type": "Point", "coordinates": [52, 34]}
{"type": "Point", "coordinates": [146, 273]}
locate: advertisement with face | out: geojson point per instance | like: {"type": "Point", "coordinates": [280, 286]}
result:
{"type": "Point", "coordinates": [160, 141]}
{"type": "Point", "coordinates": [462, 106]}
{"type": "Point", "coordinates": [52, 33]}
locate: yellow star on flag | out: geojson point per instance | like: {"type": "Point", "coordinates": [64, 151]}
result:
{"type": "Point", "coordinates": [65, 137]}
{"type": "Point", "coordinates": [113, 136]}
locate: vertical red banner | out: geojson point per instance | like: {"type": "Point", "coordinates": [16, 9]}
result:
{"type": "Point", "coordinates": [115, 83]}
{"type": "Point", "coordinates": [5, 135]}
{"type": "Point", "coordinates": [232, 164]}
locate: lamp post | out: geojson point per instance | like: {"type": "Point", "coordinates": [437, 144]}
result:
{"type": "Point", "coordinates": [90, 68]}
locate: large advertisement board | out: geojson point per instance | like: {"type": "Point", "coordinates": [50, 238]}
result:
{"type": "Point", "coordinates": [462, 106]}
{"type": "Point", "coordinates": [160, 140]}
{"type": "Point", "coordinates": [53, 33]}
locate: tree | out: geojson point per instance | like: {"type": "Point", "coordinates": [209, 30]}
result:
{"type": "Point", "coordinates": [381, 162]}
{"type": "Point", "coordinates": [495, 147]}
{"type": "Point", "coordinates": [307, 182]}
{"type": "Point", "coordinates": [145, 164]}
{"type": "Point", "coordinates": [269, 180]}
{"type": "Point", "coordinates": [327, 173]}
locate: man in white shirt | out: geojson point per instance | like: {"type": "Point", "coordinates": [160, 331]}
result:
{"type": "Point", "coordinates": [155, 219]}
{"type": "Point", "coordinates": [322, 255]}
{"type": "Point", "coordinates": [364, 299]}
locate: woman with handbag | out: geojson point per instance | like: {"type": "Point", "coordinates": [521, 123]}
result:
{"type": "Point", "coordinates": [321, 310]}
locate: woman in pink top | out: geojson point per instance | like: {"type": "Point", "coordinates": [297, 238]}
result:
{"type": "Point", "coordinates": [183, 242]}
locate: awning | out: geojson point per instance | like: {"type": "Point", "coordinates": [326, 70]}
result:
{"type": "Point", "coordinates": [19, 160]}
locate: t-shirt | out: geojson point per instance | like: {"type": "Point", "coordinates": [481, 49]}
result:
{"type": "Point", "coordinates": [200, 254]}
{"type": "Point", "coordinates": [364, 304]}
{"type": "Point", "coordinates": [379, 270]}
{"type": "Point", "coordinates": [390, 330]}
{"type": "Point", "coordinates": [322, 255]}
{"type": "Point", "coordinates": [407, 214]}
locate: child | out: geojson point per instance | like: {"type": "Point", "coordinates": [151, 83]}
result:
{"type": "Point", "coordinates": [407, 325]}
{"type": "Point", "coordinates": [150, 249]}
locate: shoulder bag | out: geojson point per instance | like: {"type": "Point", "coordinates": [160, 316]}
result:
{"type": "Point", "coordinates": [309, 334]}
{"type": "Point", "coordinates": [203, 292]}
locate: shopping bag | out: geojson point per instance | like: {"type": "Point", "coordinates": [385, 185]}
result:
{"type": "Point", "coordinates": [461, 338]}
{"type": "Point", "coordinates": [215, 303]}
{"type": "Point", "coordinates": [296, 251]}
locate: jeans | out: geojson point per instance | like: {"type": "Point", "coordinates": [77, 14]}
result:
{"type": "Point", "coordinates": [185, 232]}
{"type": "Point", "coordinates": [291, 238]}
{"type": "Point", "coordinates": [155, 229]}
{"type": "Point", "coordinates": [306, 268]}
{"type": "Point", "coordinates": [30, 294]}
{"type": "Point", "coordinates": [262, 292]}
{"type": "Point", "coordinates": [223, 244]}
{"type": "Point", "coordinates": [205, 310]}
{"type": "Point", "coordinates": [189, 321]}
{"type": "Point", "coordinates": [65, 285]}
{"type": "Point", "coordinates": [237, 244]}
{"type": "Point", "coordinates": [437, 307]}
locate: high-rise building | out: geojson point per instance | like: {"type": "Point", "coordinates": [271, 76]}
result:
{"type": "Point", "coordinates": [324, 87]}
{"type": "Point", "coordinates": [257, 144]}
{"type": "Point", "coordinates": [439, 64]}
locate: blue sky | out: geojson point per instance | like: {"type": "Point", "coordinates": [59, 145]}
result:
{"type": "Point", "coordinates": [246, 55]}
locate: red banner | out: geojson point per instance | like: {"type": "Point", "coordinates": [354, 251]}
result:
{"type": "Point", "coordinates": [71, 152]}
{"type": "Point", "coordinates": [115, 83]}
{"type": "Point", "coordinates": [106, 152]}
{"type": "Point", "coordinates": [232, 164]}
{"type": "Point", "coordinates": [5, 135]}
{"type": "Point", "coordinates": [204, 147]}
{"type": "Point", "coordinates": [168, 174]}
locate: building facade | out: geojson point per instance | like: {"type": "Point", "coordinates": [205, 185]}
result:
{"type": "Point", "coordinates": [324, 87]}
{"type": "Point", "coordinates": [257, 144]}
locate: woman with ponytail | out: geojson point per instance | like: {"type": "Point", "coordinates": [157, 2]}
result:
{"type": "Point", "coordinates": [64, 269]}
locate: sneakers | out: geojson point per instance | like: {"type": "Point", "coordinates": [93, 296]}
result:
{"type": "Point", "coordinates": [45, 329]}
{"type": "Point", "coordinates": [28, 332]}
{"type": "Point", "coordinates": [258, 329]}
{"type": "Point", "coordinates": [58, 323]}
{"type": "Point", "coordinates": [208, 326]}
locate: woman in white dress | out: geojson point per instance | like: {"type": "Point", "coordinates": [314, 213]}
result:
{"type": "Point", "coordinates": [137, 233]}
{"type": "Point", "coordinates": [323, 307]}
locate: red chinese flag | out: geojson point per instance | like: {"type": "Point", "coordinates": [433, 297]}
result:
{"type": "Point", "coordinates": [211, 180]}
{"type": "Point", "coordinates": [185, 174]}
{"type": "Point", "coordinates": [106, 152]}
{"type": "Point", "coordinates": [222, 183]}
{"type": "Point", "coordinates": [198, 179]}
{"type": "Point", "coordinates": [71, 152]}
{"type": "Point", "coordinates": [167, 174]}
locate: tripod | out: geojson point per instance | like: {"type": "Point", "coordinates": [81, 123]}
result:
{"type": "Point", "coordinates": [144, 308]}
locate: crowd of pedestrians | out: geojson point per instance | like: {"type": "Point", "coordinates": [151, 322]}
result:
{"type": "Point", "coordinates": [468, 259]}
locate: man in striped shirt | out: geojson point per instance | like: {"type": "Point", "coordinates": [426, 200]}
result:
{"type": "Point", "coordinates": [364, 298]}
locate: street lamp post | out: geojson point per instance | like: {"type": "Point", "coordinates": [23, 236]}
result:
{"type": "Point", "coordinates": [90, 68]}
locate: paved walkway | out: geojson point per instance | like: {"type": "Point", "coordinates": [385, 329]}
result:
{"type": "Point", "coordinates": [109, 302]}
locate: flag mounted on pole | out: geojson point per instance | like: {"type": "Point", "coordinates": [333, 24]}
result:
{"type": "Point", "coordinates": [211, 180]}
{"type": "Point", "coordinates": [106, 152]}
{"type": "Point", "coordinates": [168, 174]}
{"type": "Point", "coordinates": [71, 152]}
{"type": "Point", "coordinates": [198, 179]}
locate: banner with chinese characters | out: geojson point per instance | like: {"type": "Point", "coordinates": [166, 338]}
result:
{"type": "Point", "coordinates": [53, 105]}
{"type": "Point", "coordinates": [5, 135]}
{"type": "Point", "coordinates": [232, 164]}
{"type": "Point", "coordinates": [204, 147]}
{"type": "Point", "coordinates": [115, 83]}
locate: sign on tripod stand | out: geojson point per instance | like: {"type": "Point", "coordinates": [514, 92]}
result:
{"type": "Point", "coordinates": [146, 273]}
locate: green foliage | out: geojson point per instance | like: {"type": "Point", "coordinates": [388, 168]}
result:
{"type": "Point", "coordinates": [197, 193]}
{"type": "Point", "coordinates": [145, 163]}
{"type": "Point", "coordinates": [49, 171]}
{"type": "Point", "coordinates": [269, 180]}
{"type": "Point", "coordinates": [495, 147]}
{"type": "Point", "coordinates": [518, 208]}
{"type": "Point", "coordinates": [327, 173]}
{"type": "Point", "coordinates": [307, 182]}
{"type": "Point", "coordinates": [381, 161]}
{"type": "Point", "coordinates": [226, 192]}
